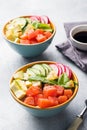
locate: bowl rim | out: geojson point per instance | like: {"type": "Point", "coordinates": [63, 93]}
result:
{"type": "Point", "coordinates": [74, 28]}
{"type": "Point", "coordinates": [49, 108]}
{"type": "Point", "coordinates": [3, 32]}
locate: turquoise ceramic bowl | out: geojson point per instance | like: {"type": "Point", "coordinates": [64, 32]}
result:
{"type": "Point", "coordinates": [47, 112]}
{"type": "Point", "coordinates": [30, 50]}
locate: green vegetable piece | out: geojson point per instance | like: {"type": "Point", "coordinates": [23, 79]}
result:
{"type": "Point", "coordinates": [48, 30]}
{"type": "Point", "coordinates": [30, 72]}
{"type": "Point", "coordinates": [75, 83]}
{"type": "Point", "coordinates": [36, 71]}
{"type": "Point", "coordinates": [19, 21]}
{"type": "Point", "coordinates": [63, 79]}
{"type": "Point", "coordinates": [42, 79]}
{"type": "Point", "coordinates": [40, 68]}
{"type": "Point", "coordinates": [69, 84]}
{"type": "Point", "coordinates": [36, 24]}
{"type": "Point", "coordinates": [44, 26]}
{"type": "Point", "coordinates": [47, 67]}
{"type": "Point", "coordinates": [28, 20]}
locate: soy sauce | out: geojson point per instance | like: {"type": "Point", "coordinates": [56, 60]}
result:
{"type": "Point", "coordinates": [81, 36]}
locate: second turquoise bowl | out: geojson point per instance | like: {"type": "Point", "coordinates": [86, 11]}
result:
{"type": "Point", "coordinates": [30, 50]}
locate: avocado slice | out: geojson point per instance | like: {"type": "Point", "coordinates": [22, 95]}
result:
{"type": "Point", "coordinates": [30, 72]}
{"type": "Point", "coordinates": [36, 71]}
{"type": "Point", "coordinates": [40, 68]}
{"type": "Point", "coordinates": [47, 67]}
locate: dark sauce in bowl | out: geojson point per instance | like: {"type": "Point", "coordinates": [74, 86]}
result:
{"type": "Point", "coordinates": [81, 36]}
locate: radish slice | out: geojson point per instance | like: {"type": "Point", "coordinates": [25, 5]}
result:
{"type": "Point", "coordinates": [59, 69]}
{"type": "Point", "coordinates": [55, 68]}
{"type": "Point", "coordinates": [44, 19]}
{"type": "Point", "coordinates": [68, 71]}
{"type": "Point", "coordinates": [35, 18]}
{"type": "Point", "coordinates": [62, 67]}
{"type": "Point", "coordinates": [38, 17]}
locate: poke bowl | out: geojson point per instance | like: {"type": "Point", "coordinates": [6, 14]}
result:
{"type": "Point", "coordinates": [44, 88]}
{"type": "Point", "coordinates": [29, 36]}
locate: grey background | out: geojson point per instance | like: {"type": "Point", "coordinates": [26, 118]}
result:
{"type": "Point", "coordinates": [12, 116]}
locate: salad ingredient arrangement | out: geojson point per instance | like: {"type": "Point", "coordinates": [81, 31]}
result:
{"type": "Point", "coordinates": [43, 85]}
{"type": "Point", "coordinates": [29, 29]}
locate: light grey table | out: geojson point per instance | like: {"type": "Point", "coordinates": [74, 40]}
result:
{"type": "Point", "coordinates": [12, 116]}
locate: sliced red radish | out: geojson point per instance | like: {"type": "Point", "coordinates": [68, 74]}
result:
{"type": "Point", "coordinates": [62, 67]}
{"type": "Point", "coordinates": [59, 69]}
{"type": "Point", "coordinates": [44, 19]}
{"type": "Point", "coordinates": [68, 71]}
{"type": "Point", "coordinates": [38, 17]}
{"type": "Point", "coordinates": [55, 68]}
{"type": "Point", "coordinates": [35, 18]}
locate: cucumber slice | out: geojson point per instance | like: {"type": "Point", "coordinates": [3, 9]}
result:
{"type": "Point", "coordinates": [20, 21]}
{"type": "Point", "coordinates": [29, 20]}
{"type": "Point", "coordinates": [40, 68]}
